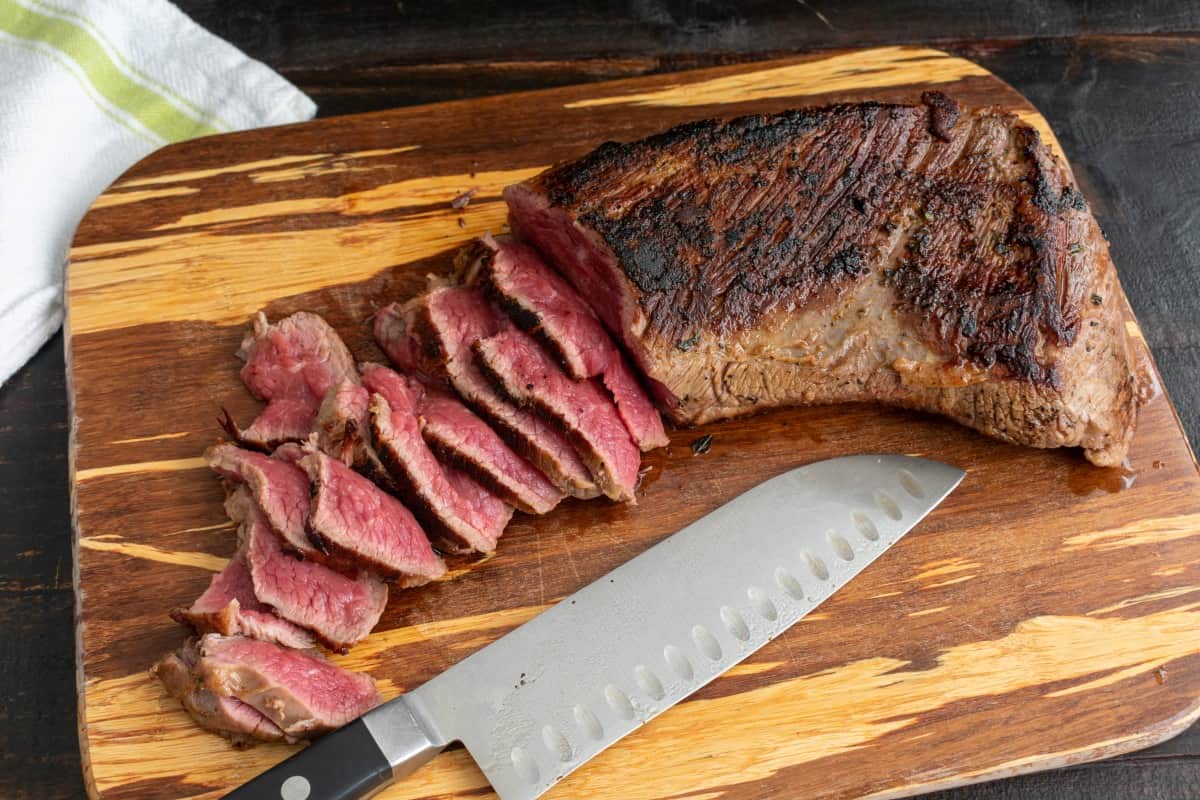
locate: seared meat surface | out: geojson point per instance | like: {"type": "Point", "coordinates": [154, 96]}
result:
{"type": "Point", "coordinates": [915, 255]}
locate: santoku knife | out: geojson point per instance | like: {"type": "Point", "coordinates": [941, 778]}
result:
{"type": "Point", "coordinates": [542, 700]}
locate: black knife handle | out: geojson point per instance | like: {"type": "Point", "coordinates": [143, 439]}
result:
{"type": "Point", "coordinates": [344, 765]}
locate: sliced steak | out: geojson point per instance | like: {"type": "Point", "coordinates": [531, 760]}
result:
{"type": "Point", "coordinates": [300, 692]}
{"type": "Point", "coordinates": [344, 432]}
{"type": "Point", "coordinates": [228, 716]}
{"type": "Point", "coordinates": [915, 255]}
{"type": "Point", "coordinates": [352, 518]}
{"type": "Point", "coordinates": [229, 607]}
{"type": "Point", "coordinates": [340, 610]}
{"type": "Point", "coordinates": [290, 365]}
{"type": "Point", "coordinates": [461, 438]}
{"type": "Point", "coordinates": [434, 334]}
{"type": "Point", "coordinates": [341, 421]}
{"type": "Point", "coordinates": [544, 304]}
{"type": "Point", "coordinates": [462, 515]}
{"type": "Point", "coordinates": [279, 487]}
{"type": "Point", "coordinates": [528, 375]}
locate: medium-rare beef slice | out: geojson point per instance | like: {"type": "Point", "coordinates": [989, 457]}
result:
{"type": "Point", "coordinates": [915, 255]}
{"type": "Point", "coordinates": [340, 610]}
{"type": "Point", "coordinates": [229, 607]}
{"type": "Point", "coordinates": [344, 432]}
{"type": "Point", "coordinates": [434, 333]}
{"type": "Point", "coordinates": [279, 487]}
{"type": "Point", "coordinates": [352, 518]}
{"type": "Point", "coordinates": [460, 513]}
{"type": "Point", "coordinates": [461, 438]}
{"type": "Point", "coordinates": [540, 301]}
{"type": "Point", "coordinates": [228, 716]}
{"type": "Point", "coordinates": [300, 692]}
{"type": "Point", "coordinates": [290, 365]}
{"type": "Point", "coordinates": [528, 375]}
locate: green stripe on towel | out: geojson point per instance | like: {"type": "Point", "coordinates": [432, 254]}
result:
{"type": "Point", "coordinates": [145, 105]}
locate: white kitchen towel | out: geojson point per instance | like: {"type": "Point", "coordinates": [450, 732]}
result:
{"type": "Point", "coordinates": [87, 88]}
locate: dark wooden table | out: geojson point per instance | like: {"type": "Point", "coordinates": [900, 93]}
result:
{"type": "Point", "coordinates": [1119, 82]}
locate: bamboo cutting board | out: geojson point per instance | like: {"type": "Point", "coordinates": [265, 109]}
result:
{"type": "Point", "coordinates": [1047, 613]}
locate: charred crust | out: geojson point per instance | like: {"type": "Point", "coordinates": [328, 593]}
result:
{"type": "Point", "coordinates": [943, 114]}
{"type": "Point", "coordinates": [983, 270]}
{"type": "Point", "coordinates": [322, 545]}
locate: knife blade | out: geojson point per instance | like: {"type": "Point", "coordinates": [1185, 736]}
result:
{"type": "Point", "coordinates": [540, 701]}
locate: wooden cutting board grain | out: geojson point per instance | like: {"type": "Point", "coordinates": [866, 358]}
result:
{"type": "Point", "coordinates": [1047, 613]}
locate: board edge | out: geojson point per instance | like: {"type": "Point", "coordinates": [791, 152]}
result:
{"type": "Point", "coordinates": [1146, 737]}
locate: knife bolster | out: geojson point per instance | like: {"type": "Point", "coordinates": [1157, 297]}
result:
{"type": "Point", "coordinates": [401, 733]}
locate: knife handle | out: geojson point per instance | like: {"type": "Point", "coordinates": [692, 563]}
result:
{"type": "Point", "coordinates": [344, 765]}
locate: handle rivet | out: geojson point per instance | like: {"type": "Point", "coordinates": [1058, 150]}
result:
{"type": "Point", "coordinates": [296, 787]}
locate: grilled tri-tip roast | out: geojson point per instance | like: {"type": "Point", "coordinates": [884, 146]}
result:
{"type": "Point", "coordinates": [917, 255]}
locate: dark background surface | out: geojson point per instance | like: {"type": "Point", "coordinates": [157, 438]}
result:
{"type": "Point", "coordinates": [1119, 83]}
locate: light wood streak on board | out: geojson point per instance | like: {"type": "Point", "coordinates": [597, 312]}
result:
{"type": "Point", "coordinates": [927, 611]}
{"type": "Point", "coordinates": [247, 166]}
{"type": "Point", "coordinates": [335, 164]}
{"type": "Point", "coordinates": [168, 465]}
{"type": "Point", "coordinates": [881, 67]}
{"type": "Point", "coordinates": [368, 654]}
{"type": "Point", "coordinates": [948, 582]}
{"type": "Point", "coordinates": [141, 288]}
{"type": "Point", "coordinates": [844, 709]}
{"type": "Point", "coordinates": [220, 526]}
{"type": "Point", "coordinates": [149, 552]}
{"type": "Point", "coordinates": [124, 198]}
{"type": "Point", "coordinates": [1149, 531]}
{"type": "Point", "coordinates": [1165, 594]}
{"type": "Point", "coordinates": [949, 566]}
{"type": "Point", "coordinates": [154, 438]}
{"type": "Point", "coordinates": [752, 668]}
{"type": "Point", "coordinates": [415, 192]}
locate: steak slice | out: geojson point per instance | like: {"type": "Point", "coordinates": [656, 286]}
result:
{"type": "Point", "coordinates": [544, 304]}
{"type": "Point", "coordinates": [352, 518]}
{"type": "Point", "coordinates": [460, 513]}
{"type": "Point", "coordinates": [228, 716]}
{"type": "Point", "coordinates": [229, 607]}
{"type": "Point", "coordinates": [341, 420]}
{"type": "Point", "coordinates": [290, 365]}
{"type": "Point", "coordinates": [300, 692]}
{"type": "Point", "coordinates": [344, 432]}
{"type": "Point", "coordinates": [279, 487]}
{"type": "Point", "coordinates": [461, 438]}
{"type": "Point", "coordinates": [434, 334]}
{"type": "Point", "coordinates": [915, 255]}
{"type": "Point", "coordinates": [338, 609]}
{"type": "Point", "coordinates": [528, 375]}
